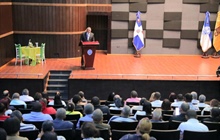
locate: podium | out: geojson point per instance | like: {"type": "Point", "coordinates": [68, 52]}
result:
{"type": "Point", "coordinates": [89, 49]}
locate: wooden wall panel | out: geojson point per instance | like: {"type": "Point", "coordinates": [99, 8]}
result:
{"type": "Point", "coordinates": [7, 50]}
{"type": "Point", "coordinates": [5, 18]}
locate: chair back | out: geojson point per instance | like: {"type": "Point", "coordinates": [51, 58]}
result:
{"type": "Point", "coordinates": [18, 51]}
{"type": "Point", "coordinates": [117, 134]}
{"type": "Point", "coordinates": [206, 113]}
{"type": "Point", "coordinates": [42, 50]}
{"type": "Point", "coordinates": [174, 124]}
{"type": "Point", "coordinates": [72, 117]}
{"type": "Point", "coordinates": [25, 110]}
{"type": "Point", "coordinates": [30, 134]}
{"type": "Point", "coordinates": [165, 134]}
{"type": "Point", "coordinates": [38, 124]}
{"type": "Point", "coordinates": [160, 125]}
{"type": "Point", "coordinates": [199, 135]}
{"type": "Point", "coordinates": [139, 117]}
{"type": "Point", "coordinates": [1, 124]}
{"type": "Point", "coordinates": [104, 133]}
{"type": "Point", "coordinates": [116, 112]}
{"type": "Point", "coordinates": [170, 112]}
{"type": "Point", "coordinates": [124, 125]}
{"type": "Point", "coordinates": [67, 133]}
{"type": "Point", "coordinates": [132, 103]}
{"type": "Point", "coordinates": [213, 126]}
{"type": "Point", "coordinates": [201, 117]}
{"type": "Point", "coordinates": [166, 117]}
{"type": "Point", "coordinates": [17, 106]}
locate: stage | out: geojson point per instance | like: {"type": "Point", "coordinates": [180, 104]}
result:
{"type": "Point", "coordinates": [120, 73]}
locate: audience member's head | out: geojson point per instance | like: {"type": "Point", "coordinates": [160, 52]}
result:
{"type": "Point", "coordinates": [144, 127]}
{"type": "Point", "coordinates": [47, 126]}
{"type": "Point", "coordinates": [142, 101]}
{"type": "Point", "coordinates": [16, 95]}
{"type": "Point", "coordinates": [191, 114]}
{"type": "Point", "coordinates": [49, 136]}
{"type": "Point", "coordinates": [2, 109]}
{"type": "Point", "coordinates": [36, 107]}
{"type": "Point", "coordinates": [95, 101]}
{"type": "Point", "coordinates": [202, 98]}
{"type": "Point", "coordinates": [118, 102]}
{"type": "Point", "coordinates": [188, 97]}
{"type": "Point", "coordinates": [89, 130]}
{"type": "Point", "coordinates": [43, 102]}
{"type": "Point", "coordinates": [179, 97]}
{"type": "Point", "coordinates": [157, 96]}
{"type": "Point", "coordinates": [214, 103]}
{"type": "Point", "coordinates": [111, 96]}
{"type": "Point", "coordinates": [184, 107]}
{"type": "Point", "coordinates": [166, 105]}
{"type": "Point", "coordinates": [3, 134]}
{"type": "Point", "coordinates": [125, 112]}
{"type": "Point", "coordinates": [25, 92]}
{"type": "Point", "coordinates": [61, 113]}
{"type": "Point", "coordinates": [147, 107]}
{"type": "Point", "coordinates": [172, 97]}
{"type": "Point", "coordinates": [215, 112]}
{"type": "Point", "coordinates": [45, 95]}
{"type": "Point", "coordinates": [5, 93]}
{"type": "Point", "coordinates": [57, 99]}
{"type": "Point", "coordinates": [81, 94]}
{"type": "Point", "coordinates": [152, 97]}
{"type": "Point", "coordinates": [88, 109]}
{"type": "Point", "coordinates": [17, 114]}
{"type": "Point", "coordinates": [97, 116]}
{"type": "Point", "coordinates": [12, 126]}
{"type": "Point", "coordinates": [76, 99]}
{"type": "Point", "coordinates": [134, 94]}
{"type": "Point", "coordinates": [70, 106]}
{"type": "Point", "coordinates": [37, 96]}
{"type": "Point", "coordinates": [157, 114]}
{"type": "Point", "coordinates": [116, 96]}
{"type": "Point", "coordinates": [194, 95]}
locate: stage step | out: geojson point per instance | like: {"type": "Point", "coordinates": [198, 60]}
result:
{"type": "Point", "coordinates": [58, 82]}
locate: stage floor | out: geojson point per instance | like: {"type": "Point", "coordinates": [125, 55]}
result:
{"type": "Point", "coordinates": [113, 66]}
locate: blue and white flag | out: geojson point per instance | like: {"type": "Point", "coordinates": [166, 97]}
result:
{"type": "Point", "coordinates": [138, 39]}
{"type": "Point", "coordinates": [206, 35]}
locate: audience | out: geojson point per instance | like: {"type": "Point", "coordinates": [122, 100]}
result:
{"type": "Point", "coordinates": [2, 112]}
{"type": "Point", "coordinates": [88, 110]}
{"type": "Point", "coordinates": [23, 126]}
{"type": "Point", "coordinates": [77, 101]}
{"type": "Point", "coordinates": [213, 103]}
{"type": "Point", "coordinates": [215, 115]}
{"type": "Point", "coordinates": [12, 127]}
{"type": "Point", "coordinates": [188, 99]}
{"type": "Point", "coordinates": [57, 100]}
{"type": "Point", "coordinates": [71, 111]}
{"type": "Point", "coordinates": [146, 110]}
{"type": "Point", "coordinates": [45, 96]}
{"type": "Point", "coordinates": [110, 99]}
{"type": "Point", "coordinates": [202, 99]}
{"type": "Point", "coordinates": [36, 114]}
{"type": "Point", "coordinates": [47, 126]}
{"type": "Point", "coordinates": [124, 116]}
{"type": "Point", "coordinates": [45, 109]}
{"type": "Point", "coordinates": [166, 105]}
{"type": "Point", "coordinates": [134, 97]}
{"type": "Point", "coordinates": [118, 105]}
{"type": "Point", "coordinates": [179, 101]}
{"type": "Point", "coordinates": [194, 98]}
{"type": "Point", "coordinates": [117, 96]}
{"type": "Point", "coordinates": [192, 124]}
{"type": "Point", "coordinates": [90, 132]}
{"type": "Point", "coordinates": [156, 100]}
{"type": "Point", "coordinates": [82, 95]}
{"type": "Point", "coordinates": [97, 116]}
{"type": "Point", "coordinates": [5, 98]}
{"type": "Point", "coordinates": [96, 103]}
{"type": "Point", "coordinates": [25, 96]}
{"type": "Point", "coordinates": [142, 131]}
{"type": "Point", "coordinates": [151, 99]}
{"type": "Point", "coordinates": [140, 106]}
{"type": "Point", "coordinates": [157, 115]}
{"type": "Point", "coordinates": [172, 97]}
{"type": "Point", "coordinates": [37, 96]}
{"type": "Point", "coordinates": [59, 122]}
{"type": "Point", "coordinates": [49, 136]}
{"type": "Point", "coordinates": [3, 134]}
{"type": "Point", "coordinates": [16, 100]}
{"type": "Point", "coordinates": [181, 111]}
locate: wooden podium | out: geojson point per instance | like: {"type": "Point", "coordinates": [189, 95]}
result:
{"type": "Point", "coordinates": [89, 49]}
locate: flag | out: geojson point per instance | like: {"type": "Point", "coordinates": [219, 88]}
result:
{"type": "Point", "coordinates": [138, 39]}
{"type": "Point", "coordinates": [206, 35]}
{"type": "Point", "coordinates": [216, 38]}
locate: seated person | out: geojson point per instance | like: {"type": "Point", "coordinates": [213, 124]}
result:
{"type": "Point", "coordinates": [147, 109]}
{"type": "Point", "coordinates": [166, 105]}
{"type": "Point", "coordinates": [16, 100]}
{"type": "Point", "coordinates": [124, 116]}
{"type": "Point", "coordinates": [179, 101]}
{"type": "Point", "coordinates": [134, 97]}
{"type": "Point", "coordinates": [202, 100]}
{"type": "Point", "coordinates": [2, 112]}
{"type": "Point", "coordinates": [156, 115]}
{"type": "Point", "coordinates": [71, 111]}
{"type": "Point", "coordinates": [110, 99]}
{"type": "Point", "coordinates": [142, 131]}
{"type": "Point", "coordinates": [172, 97]}
{"type": "Point", "coordinates": [83, 99]}
{"type": "Point", "coordinates": [96, 103]}
{"type": "Point", "coordinates": [118, 104]}
{"type": "Point", "coordinates": [88, 110]}
{"type": "Point", "coordinates": [213, 103]}
{"type": "Point", "coordinates": [194, 98]}
{"type": "Point", "coordinates": [47, 126]}
{"type": "Point", "coordinates": [49, 136]}
{"type": "Point", "coordinates": [90, 132]}
{"type": "Point", "coordinates": [156, 100]}
{"type": "Point", "coordinates": [57, 100]}
{"type": "Point", "coordinates": [45, 109]}
{"type": "Point", "coordinates": [23, 126]}
{"type": "Point", "coordinates": [12, 127]}
{"type": "Point", "coordinates": [139, 107]}
{"type": "Point", "coordinates": [59, 122]}
{"type": "Point", "coordinates": [77, 101]}
{"type": "Point", "coordinates": [215, 115]}
{"type": "Point", "coordinates": [25, 96]}
{"type": "Point", "coordinates": [180, 116]}
{"type": "Point", "coordinates": [97, 116]}
{"type": "Point", "coordinates": [37, 96]}
{"type": "Point", "coordinates": [5, 98]}
{"type": "Point", "coordinates": [36, 113]}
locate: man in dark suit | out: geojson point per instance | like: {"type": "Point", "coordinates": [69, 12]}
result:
{"type": "Point", "coordinates": [86, 36]}
{"type": "Point", "coordinates": [183, 109]}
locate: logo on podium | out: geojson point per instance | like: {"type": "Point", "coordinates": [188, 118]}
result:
{"type": "Point", "coordinates": [89, 52]}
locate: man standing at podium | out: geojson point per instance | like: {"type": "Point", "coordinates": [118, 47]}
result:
{"type": "Point", "coordinates": [86, 36]}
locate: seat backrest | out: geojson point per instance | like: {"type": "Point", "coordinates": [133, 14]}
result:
{"type": "Point", "coordinates": [124, 125]}
{"type": "Point", "coordinates": [42, 50]}
{"type": "Point", "coordinates": [38, 124]}
{"type": "Point", "coordinates": [17, 106]}
{"type": "Point", "coordinates": [213, 125]}
{"type": "Point", "coordinates": [206, 113]}
{"type": "Point", "coordinates": [199, 135]}
{"type": "Point", "coordinates": [18, 51]}
{"type": "Point", "coordinates": [72, 117]}
{"type": "Point", "coordinates": [25, 110]}
{"type": "Point", "coordinates": [170, 112]}
{"type": "Point", "coordinates": [165, 134]}
{"type": "Point", "coordinates": [132, 103]}
{"type": "Point", "coordinates": [201, 117]}
{"type": "Point", "coordinates": [166, 117]}
{"type": "Point", "coordinates": [30, 134]}
{"type": "Point", "coordinates": [174, 124]}
{"type": "Point", "coordinates": [139, 117]}
{"type": "Point", "coordinates": [160, 125]}
{"type": "Point", "coordinates": [104, 133]}
{"type": "Point", "coordinates": [67, 133]}
{"type": "Point", "coordinates": [115, 111]}
{"type": "Point", "coordinates": [117, 134]}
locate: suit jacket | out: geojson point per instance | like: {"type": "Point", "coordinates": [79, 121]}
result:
{"type": "Point", "coordinates": [84, 37]}
{"type": "Point", "coordinates": [180, 117]}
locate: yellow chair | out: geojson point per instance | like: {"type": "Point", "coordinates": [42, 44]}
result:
{"type": "Point", "coordinates": [19, 55]}
{"type": "Point", "coordinates": [41, 56]}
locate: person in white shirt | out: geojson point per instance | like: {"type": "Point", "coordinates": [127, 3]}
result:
{"type": "Point", "coordinates": [16, 100]}
{"type": "Point", "coordinates": [194, 98]}
{"type": "Point", "coordinates": [202, 100]}
{"type": "Point", "coordinates": [25, 96]}
{"type": "Point", "coordinates": [192, 124]}
{"type": "Point", "coordinates": [157, 102]}
{"type": "Point", "coordinates": [213, 103]}
{"type": "Point", "coordinates": [179, 101]}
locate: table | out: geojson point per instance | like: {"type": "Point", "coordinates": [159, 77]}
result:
{"type": "Point", "coordinates": [31, 52]}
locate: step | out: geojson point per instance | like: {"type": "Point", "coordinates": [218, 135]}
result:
{"type": "Point", "coordinates": [59, 77]}
{"type": "Point", "coordinates": [59, 72]}
{"type": "Point", "coordinates": [58, 85]}
{"type": "Point", "coordinates": [58, 80]}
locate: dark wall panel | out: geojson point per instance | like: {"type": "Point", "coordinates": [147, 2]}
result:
{"type": "Point", "coordinates": [156, 34]}
{"type": "Point", "coordinates": [189, 34]}
{"type": "Point", "coordinates": [195, 1]}
{"type": "Point", "coordinates": [120, 16]}
{"type": "Point", "coordinates": [7, 49]}
{"type": "Point", "coordinates": [119, 33]}
{"type": "Point", "coordinates": [5, 18]}
{"type": "Point", "coordinates": [171, 43]}
{"type": "Point", "coordinates": [134, 7]}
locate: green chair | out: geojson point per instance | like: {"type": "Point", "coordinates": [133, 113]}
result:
{"type": "Point", "coordinates": [19, 55]}
{"type": "Point", "coordinates": [41, 56]}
